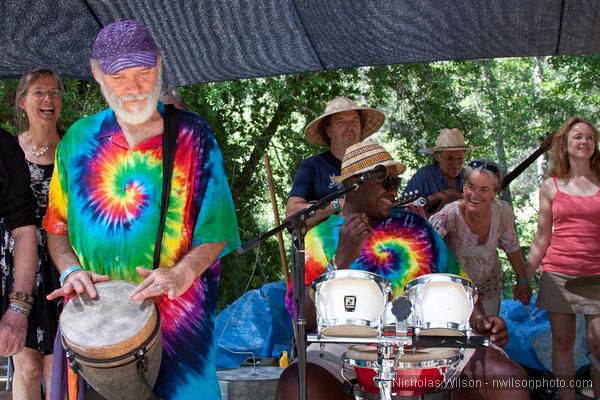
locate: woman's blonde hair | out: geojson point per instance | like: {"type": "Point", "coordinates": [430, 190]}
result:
{"type": "Point", "coordinates": [559, 154]}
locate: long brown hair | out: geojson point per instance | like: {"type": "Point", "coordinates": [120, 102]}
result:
{"type": "Point", "coordinates": [24, 83]}
{"type": "Point", "coordinates": [559, 154]}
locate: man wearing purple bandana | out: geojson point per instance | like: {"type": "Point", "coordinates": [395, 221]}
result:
{"type": "Point", "coordinates": [104, 208]}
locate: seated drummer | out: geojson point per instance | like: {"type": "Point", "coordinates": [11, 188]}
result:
{"type": "Point", "coordinates": [399, 245]}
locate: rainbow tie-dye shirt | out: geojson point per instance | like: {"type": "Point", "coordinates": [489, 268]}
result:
{"type": "Point", "coordinates": [106, 197]}
{"type": "Point", "coordinates": [401, 248]}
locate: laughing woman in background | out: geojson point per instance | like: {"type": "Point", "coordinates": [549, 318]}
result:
{"type": "Point", "coordinates": [475, 227]}
{"type": "Point", "coordinates": [37, 105]}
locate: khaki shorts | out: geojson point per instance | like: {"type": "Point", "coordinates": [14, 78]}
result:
{"type": "Point", "coordinates": [554, 297]}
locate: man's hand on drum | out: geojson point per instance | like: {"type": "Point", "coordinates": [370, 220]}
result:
{"type": "Point", "coordinates": [13, 329]}
{"type": "Point", "coordinates": [172, 282]}
{"type": "Point", "coordinates": [354, 232]}
{"type": "Point", "coordinates": [79, 282]}
{"type": "Point", "coordinates": [494, 327]}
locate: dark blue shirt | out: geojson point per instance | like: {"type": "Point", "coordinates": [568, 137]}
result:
{"type": "Point", "coordinates": [429, 180]}
{"type": "Point", "coordinates": [313, 179]}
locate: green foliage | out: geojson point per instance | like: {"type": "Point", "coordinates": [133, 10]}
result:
{"type": "Point", "coordinates": [504, 106]}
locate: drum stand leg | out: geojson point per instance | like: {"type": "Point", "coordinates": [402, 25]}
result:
{"type": "Point", "coordinates": [386, 373]}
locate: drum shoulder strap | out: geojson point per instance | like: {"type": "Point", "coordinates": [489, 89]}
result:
{"type": "Point", "coordinates": [169, 144]}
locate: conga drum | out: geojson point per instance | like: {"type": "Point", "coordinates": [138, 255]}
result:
{"type": "Point", "coordinates": [113, 342]}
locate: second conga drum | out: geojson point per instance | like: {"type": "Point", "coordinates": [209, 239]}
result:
{"type": "Point", "coordinates": [113, 342]}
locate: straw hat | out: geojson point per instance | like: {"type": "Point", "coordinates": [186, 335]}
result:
{"type": "Point", "coordinates": [372, 120]}
{"type": "Point", "coordinates": [364, 156]}
{"type": "Point", "coordinates": [448, 140]}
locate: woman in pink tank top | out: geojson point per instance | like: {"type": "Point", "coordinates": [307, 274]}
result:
{"type": "Point", "coordinates": [566, 244]}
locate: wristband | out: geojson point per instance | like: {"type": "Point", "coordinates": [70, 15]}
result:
{"type": "Point", "coordinates": [21, 304]}
{"type": "Point", "coordinates": [18, 309]}
{"type": "Point", "coordinates": [67, 272]}
{"type": "Point", "coordinates": [523, 281]}
{"type": "Point", "coordinates": [336, 205]}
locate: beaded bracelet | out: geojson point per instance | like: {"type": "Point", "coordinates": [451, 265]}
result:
{"type": "Point", "coordinates": [18, 309]}
{"type": "Point", "coordinates": [20, 296]}
{"type": "Point", "coordinates": [22, 304]}
{"type": "Point", "coordinates": [67, 272]}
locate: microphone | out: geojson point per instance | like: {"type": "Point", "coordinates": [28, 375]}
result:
{"type": "Point", "coordinates": [379, 172]}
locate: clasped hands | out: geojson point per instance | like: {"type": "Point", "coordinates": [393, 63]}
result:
{"type": "Point", "coordinates": [522, 292]}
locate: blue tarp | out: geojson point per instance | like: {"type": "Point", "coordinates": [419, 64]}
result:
{"type": "Point", "coordinates": [257, 323]}
{"type": "Point", "coordinates": [530, 341]}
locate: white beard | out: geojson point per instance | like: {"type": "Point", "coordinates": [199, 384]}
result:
{"type": "Point", "coordinates": [142, 113]}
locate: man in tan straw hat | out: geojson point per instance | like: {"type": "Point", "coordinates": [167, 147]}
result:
{"type": "Point", "coordinates": [342, 124]}
{"type": "Point", "coordinates": [369, 235]}
{"type": "Point", "coordinates": [441, 182]}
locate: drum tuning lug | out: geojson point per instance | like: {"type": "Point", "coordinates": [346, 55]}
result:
{"type": "Point", "coordinates": [140, 353]}
{"type": "Point", "coordinates": [72, 363]}
{"type": "Point", "coordinates": [142, 363]}
{"type": "Point", "coordinates": [70, 356]}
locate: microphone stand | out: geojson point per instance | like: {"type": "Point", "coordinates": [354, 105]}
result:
{"type": "Point", "coordinates": [297, 222]}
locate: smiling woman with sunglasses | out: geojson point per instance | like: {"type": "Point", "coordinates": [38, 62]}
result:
{"type": "Point", "coordinates": [475, 226]}
{"type": "Point", "coordinates": [566, 244]}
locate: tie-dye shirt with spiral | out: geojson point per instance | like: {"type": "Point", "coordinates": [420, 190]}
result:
{"type": "Point", "coordinates": [106, 197]}
{"type": "Point", "coordinates": [401, 248]}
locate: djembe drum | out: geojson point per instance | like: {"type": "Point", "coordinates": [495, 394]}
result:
{"type": "Point", "coordinates": [113, 342]}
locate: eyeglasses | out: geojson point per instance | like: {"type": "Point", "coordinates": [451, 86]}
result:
{"type": "Point", "coordinates": [41, 94]}
{"type": "Point", "coordinates": [485, 165]}
{"type": "Point", "coordinates": [390, 182]}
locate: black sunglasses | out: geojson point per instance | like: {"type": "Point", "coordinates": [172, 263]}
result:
{"type": "Point", "coordinates": [489, 166]}
{"type": "Point", "coordinates": [390, 182]}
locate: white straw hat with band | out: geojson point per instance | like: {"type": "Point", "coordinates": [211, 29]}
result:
{"type": "Point", "coordinates": [448, 140]}
{"type": "Point", "coordinates": [372, 120]}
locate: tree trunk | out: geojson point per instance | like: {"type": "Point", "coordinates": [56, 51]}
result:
{"type": "Point", "coordinates": [490, 90]}
{"type": "Point", "coordinates": [539, 79]}
{"type": "Point", "coordinates": [241, 181]}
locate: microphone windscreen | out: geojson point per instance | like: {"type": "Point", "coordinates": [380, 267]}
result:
{"type": "Point", "coordinates": [401, 308]}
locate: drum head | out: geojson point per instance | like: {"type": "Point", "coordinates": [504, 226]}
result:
{"type": "Point", "coordinates": [109, 325]}
{"type": "Point", "coordinates": [348, 330]}
{"type": "Point", "coordinates": [439, 277]}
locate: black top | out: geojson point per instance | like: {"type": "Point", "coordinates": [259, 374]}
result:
{"type": "Point", "coordinates": [17, 204]}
